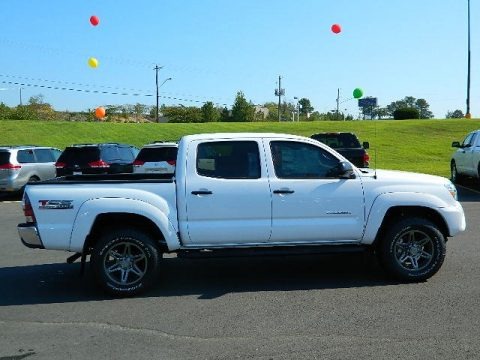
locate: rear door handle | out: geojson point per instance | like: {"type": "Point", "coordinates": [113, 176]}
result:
{"type": "Point", "coordinates": [202, 192]}
{"type": "Point", "coordinates": [283, 191]}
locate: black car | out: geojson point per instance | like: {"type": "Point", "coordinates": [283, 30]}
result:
{"type": "Point", "coordinates": [348, 145]}
{"type": "Point", "coordinates": [106, 158]}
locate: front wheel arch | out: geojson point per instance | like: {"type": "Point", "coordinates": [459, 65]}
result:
{"type": "Point", "coordinates": [397, 213]}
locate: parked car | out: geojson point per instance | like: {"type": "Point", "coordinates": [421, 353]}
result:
{"type": "Point", "coordinates": [466, 160]}
{"type": "Point", "coordinates": [105, 158]}
{"type": "Point", "coordinates": [158, 157]}
{"type": "Point", "coordinates": [21, 164]}
{"type": "Point", "coordinates": [348, 145]}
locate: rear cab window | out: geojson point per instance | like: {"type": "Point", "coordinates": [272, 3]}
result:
{"type": "Point", "coordinates": [338, 141]}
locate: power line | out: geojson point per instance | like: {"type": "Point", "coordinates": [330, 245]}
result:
{"type": "Point", "coordinates": [106, 92]}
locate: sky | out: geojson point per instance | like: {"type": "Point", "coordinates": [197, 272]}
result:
{"type": "Point", "coordinates": [211, 49]}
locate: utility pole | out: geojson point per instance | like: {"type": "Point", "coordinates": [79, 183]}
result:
{"type": "Point", "coordinates": [468, 115]}
{"type": "Point", "coordinates": [279, 92]}
{"type": "Point", "coordinates": [338, 102]}
{"type": "Point", "coordinates": [157, 68]}
{"type": "Point", "coordinates": [21, 97]}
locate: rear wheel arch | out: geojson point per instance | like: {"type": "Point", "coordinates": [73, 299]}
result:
{"type": "Point", "coordinates": [105, 223]}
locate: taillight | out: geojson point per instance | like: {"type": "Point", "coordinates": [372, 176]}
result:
{"type": "Point", "coordinates": [138, 163]}
{"type": "Point", "coordinates": [60, 165]}
{"type": "Point", "coordinates": [28, 209]}
{"type": "Point", "coordinates": [172, 162]}
{"type": "Point", "coordinates": [366, 158]}
{"type": "Point", "coordinates": [99, 164]}
{"type": "Point", "coordinates": [9, 166]}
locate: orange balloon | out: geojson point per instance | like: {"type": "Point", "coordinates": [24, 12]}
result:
{"type": "Point", "coordinates": [100, 112]}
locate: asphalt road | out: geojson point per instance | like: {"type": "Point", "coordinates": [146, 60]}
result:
{"type": "Point", "coordinates": [311, 307]}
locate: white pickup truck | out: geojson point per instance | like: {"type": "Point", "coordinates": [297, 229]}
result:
{"type": "Point", "coordinates": [243, 193]}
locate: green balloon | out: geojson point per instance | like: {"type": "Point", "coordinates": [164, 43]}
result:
{"type": "Point", "coordinates": [357, 93]}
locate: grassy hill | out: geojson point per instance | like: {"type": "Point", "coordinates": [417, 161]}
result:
{"type": "Point", "coordinates": [411, 145]}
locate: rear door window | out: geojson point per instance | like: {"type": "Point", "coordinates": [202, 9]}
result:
{"type": "Point", "coordinates": [229, 160]}
{"type": "Point", "coordinates": [25, 156]}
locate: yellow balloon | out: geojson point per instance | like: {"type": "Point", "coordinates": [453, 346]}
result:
{"type": "Point", "coordinates": [93, 62]}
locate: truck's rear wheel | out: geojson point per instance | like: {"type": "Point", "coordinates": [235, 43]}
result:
{"type": "Point", "coordinates": [412, 250]}
{"type": "Point", "coordinates": [125, 262]}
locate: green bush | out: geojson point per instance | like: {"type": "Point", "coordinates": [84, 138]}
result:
{"type": "Point", "coordinates": [406, 113]}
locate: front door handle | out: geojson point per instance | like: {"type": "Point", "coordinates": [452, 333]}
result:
{"type": "Point", "coordinates": [202, 192]}
{"type": "Point", "coordinates": [283, 191]}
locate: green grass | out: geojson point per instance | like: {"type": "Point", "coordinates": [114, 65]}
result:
{"type": "Point", "coordinates": [412, 145]}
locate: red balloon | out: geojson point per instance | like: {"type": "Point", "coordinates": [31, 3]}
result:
{"type": "Point", "coordinates": [336, 28]}
{"type": "Point", "coordinates": [94, 20]}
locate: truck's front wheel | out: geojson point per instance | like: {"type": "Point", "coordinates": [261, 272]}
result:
{"type": "Point", "coordinates": [412, 250]}
{"type": "Point", "coordinates": [125, 262]}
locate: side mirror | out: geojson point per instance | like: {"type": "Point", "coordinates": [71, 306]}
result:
{"type": "Point", "coordinates": [455, 144]}
{"type": "Point", "coordinates": [345, 170]}
{"type": "Point", "coordinates": [366, 145]}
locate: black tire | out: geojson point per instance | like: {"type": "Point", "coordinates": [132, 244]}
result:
{"type": "Point", "coordinates": [412, 250]}
{"type": "Point", "coordinates": [454, 175]}
{"type": "Point", "coordinates": [125, 262]}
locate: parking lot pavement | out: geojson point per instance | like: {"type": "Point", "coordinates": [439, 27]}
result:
{"type": "Point", "coordinates": [329, 307]}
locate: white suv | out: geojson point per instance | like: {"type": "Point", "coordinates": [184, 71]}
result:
{"type": "Point", "coordinates": [21, 164]}
{"type": "Point", "coordinates": [158, 157]}
{"type": "Point", "coordinates": [466, 160]}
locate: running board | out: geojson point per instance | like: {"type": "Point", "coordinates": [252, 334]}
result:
{"type": "Point", "coordinates": [272, 251]}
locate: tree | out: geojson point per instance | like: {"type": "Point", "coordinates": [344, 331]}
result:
{"type": "Point", "coordinates": [242, 110]}
{"type": "Point", "coordinates": [406, 113]}
{"type": "Point", "coordinates": [225, 115]}
{"type": "Point", "coordinates": [305, 106]}
{"type": "Point", "coordinates": [140, 110]}
{"type": "Point", "coordinates": [182, 114]}
{"type": "Point", "coordinates": [423, 109]}
{"type": "Point", "coordinates": [210, 113]}
{"type": "Point", "coordinates": [272, 111]}
{"type": "Point", "coordinates": [409, 102]}
{"type": "Point", "coordinates": [40, 109]}
{"type": "Point", "coordinates": [5, 112]}
{"type": "Point", "coordinates": [457, 114]}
